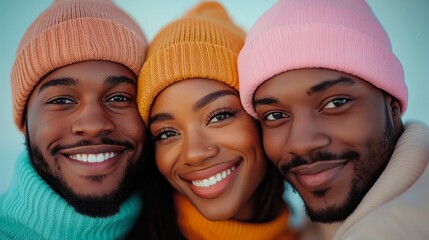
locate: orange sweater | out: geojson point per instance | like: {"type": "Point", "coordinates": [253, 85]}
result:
{"type": "Point", "coordinates": [193, 225]}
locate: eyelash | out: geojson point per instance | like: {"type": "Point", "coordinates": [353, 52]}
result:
{"type": "Point", "coordinates": [57, 101]}
{"type": "Point", "coordinates": [228, 112]}
{"type": "Point", "coordinates": [124, 98]}
{"type": "Point", "coordinates": [344, 101]}
{"type": "Point", "coordinates": [157, 136]}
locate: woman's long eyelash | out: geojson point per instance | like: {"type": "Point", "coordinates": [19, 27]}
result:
{"type": "Point", "coordinates": [157, 135]}
{"type": "Point", "coordinates": [228, 110]}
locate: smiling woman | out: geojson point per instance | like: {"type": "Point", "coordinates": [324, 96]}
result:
{"type": "Point", "coordinates": [206, 146]}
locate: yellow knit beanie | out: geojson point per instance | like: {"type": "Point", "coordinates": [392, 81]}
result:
{"type": "Point", "coordinates": [203, 44]}
{"type": "Point", "coordinates": [72, 31]}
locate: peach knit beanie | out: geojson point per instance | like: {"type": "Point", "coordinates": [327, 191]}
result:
{"type": "Point", "coordinates": [72, 31]}
{"type": "Point", "coordinates": [342, 35]}
{"type": "Point", "coordinates": [203, 44]}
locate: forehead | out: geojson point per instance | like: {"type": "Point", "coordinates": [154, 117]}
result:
{"type": "Point", "coordinates": [94, 72]}
{"type": "Point", "coordinates": [309, 82]}
{"type": "Point", "coordinates": [187, 92]}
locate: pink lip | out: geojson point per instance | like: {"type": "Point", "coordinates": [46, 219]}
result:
{"type": "Point", "coordinates": [92, 149]}
{"type": "Point", "coordinates": [208, 172]}
{"type": "Point", "coordinates": [318, 175]}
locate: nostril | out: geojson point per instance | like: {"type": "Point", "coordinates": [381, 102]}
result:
{"type": "Point", "coordinates": [79, 133]}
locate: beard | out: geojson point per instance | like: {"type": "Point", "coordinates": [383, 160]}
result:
{"type": "Point", "coordinates": [93, 206]}
{"type": "Point", "coordinates": [365, 177]}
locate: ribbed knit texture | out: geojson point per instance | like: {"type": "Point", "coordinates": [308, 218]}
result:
{"type": "Point", "coordinates": [396, 207]}
{"type": "Point", "coordinates": [203, 44]}
{"type": "Point", "coordinates": [193, 225]}
{"type": "Point", "coordinates": [406, 167]}
{"type": "Point", "coordinates": [30, 209]}
{"type": "Point", "coordinates": [342, 35]}
{"type": "Point", "coordinates": [72, 31]}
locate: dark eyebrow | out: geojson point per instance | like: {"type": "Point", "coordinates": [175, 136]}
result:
{"type": "Point", "coordinates": [265, 101]}
{"type": "Point", "coordinates": [211, 97]}
{"type": "Point", "coordinates": [198, 105]}
{"type": "Point", "coordinates": [317, 88]}
{"type": "Point", "coordinates": [161, 117]}
{"type": "Point", "coordinates": [330, 83]}
{"type": "Point", "coordinates": [58, 82]}
{"type": "Point", "coordinates": [115, 80]}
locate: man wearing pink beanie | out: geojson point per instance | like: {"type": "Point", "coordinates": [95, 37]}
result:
{"type": "Point", "coordinates": [74, 85]}
{"type": "Point", "coordinates": [321, 77]}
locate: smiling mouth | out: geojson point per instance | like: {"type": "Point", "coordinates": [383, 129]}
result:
{"type": "Point", "coordinates": [319, 174]}
{"type": "Point", "coordinates": [205, 183]}
{"type": "Point", "coordinates": [93, 158]}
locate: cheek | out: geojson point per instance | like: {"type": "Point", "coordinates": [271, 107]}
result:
{"type": "Point", "coordinates": [359, 130]}
{"type": "Point", "coordinates": [130, 124]}
{"type": "Point", "coordinates": [273, 140]}
{"type": "Point", "coordinates": [43, 130]}
{"type": "Point", "coordinates": [243, 136]}
{"type": "Point", "coordinates": [164, 161]}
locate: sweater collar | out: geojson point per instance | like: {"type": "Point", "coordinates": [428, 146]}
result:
{"type": "Point", "coordinates": [32, 202]}
{"type": "Point", "coordinates": [194, 225]}
{"type": "Point", "coordinates": [408, 161]}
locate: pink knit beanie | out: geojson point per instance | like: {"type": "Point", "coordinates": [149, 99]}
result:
{"type": "Point", "coordinates": [72, 31]}
{"type": "Point", "coordinates": [341, 35]}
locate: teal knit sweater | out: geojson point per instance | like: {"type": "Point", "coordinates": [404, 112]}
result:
{"type": "Point", "coordinates": [30, 209]}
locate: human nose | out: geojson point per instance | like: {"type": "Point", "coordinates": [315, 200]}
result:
{"type": "Point", "coordinates": [92, 120]}
{"type": "Point", "coordinates": [305, 136]}
{"type": "Point", "coordinates": [198, 147]}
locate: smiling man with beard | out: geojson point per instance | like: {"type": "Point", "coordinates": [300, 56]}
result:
{"type": "Point", "coordinates": [321, 77]}
{"type": "Point", "coordinates": [74, 84]}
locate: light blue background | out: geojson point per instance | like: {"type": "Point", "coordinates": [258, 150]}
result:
{"type": "Point", "coordinates": [407, 23]}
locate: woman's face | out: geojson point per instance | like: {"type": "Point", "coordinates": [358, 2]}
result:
{"type": "Point", "coordinates": [208, 147]}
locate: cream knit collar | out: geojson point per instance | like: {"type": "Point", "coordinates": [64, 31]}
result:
{"type": "Point", "coordinates": [407, 163]}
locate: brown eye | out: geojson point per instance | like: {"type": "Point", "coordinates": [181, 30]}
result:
{"type": "Point", "coordinates": [118, 98]}
{"type": "Point", "coordinates": [60, 101]}
{"type": "Point", "coordinates": [220, 115]}
{"type": "Point", "coordinates": [275, 116]}
{"type": "Point", "coordinates": [336, 103]}
{"type": "Point", "coordinates": [163, 134]}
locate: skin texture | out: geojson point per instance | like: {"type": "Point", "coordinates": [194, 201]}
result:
{"type": "Point", "coordinates": [330, 134]}
{"type": "Point", "coordinates": [184, 126]}
{"type": "Point", "coordinates": [82, 109]}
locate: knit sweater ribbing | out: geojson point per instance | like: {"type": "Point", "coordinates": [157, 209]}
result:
{"type": "Point", "coordinates": [194, 225]}
{"type": "Point", "coordinates": [30, 209]}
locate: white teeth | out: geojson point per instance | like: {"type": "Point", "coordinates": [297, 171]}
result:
{"type": "Point", "coordinates": [213, 179]}
{"type": "Point", "coordinates": [218, 177]}
{"type": "Point", "coordinates": [93, 158]}
{"type": "Point", "coordinates": [100, 157]}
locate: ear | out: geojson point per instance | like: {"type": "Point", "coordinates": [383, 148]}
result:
{"type": "Point", "coordinates": [394, 108]}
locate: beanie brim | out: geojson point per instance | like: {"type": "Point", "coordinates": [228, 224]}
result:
{"type": "Point", "coordinates": [313, 46]}
{"type": "Point", "coordinates": [71, 42]}
{"type": "Point", "coordinates": [180, 61]}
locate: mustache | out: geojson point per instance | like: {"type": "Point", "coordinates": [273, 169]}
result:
{"type": "Point", "coordinates": [103, 140]}
{"type": "Point", "coordinates": [298, 160]}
